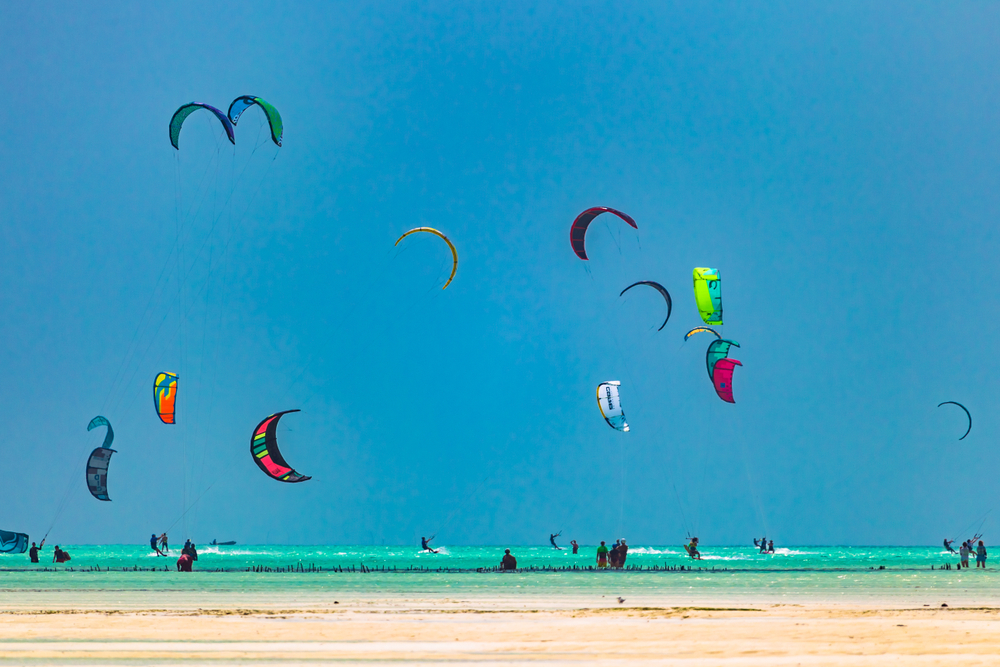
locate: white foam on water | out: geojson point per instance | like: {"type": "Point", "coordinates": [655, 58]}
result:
{"type": "Point", "coordinates": [650, 550]}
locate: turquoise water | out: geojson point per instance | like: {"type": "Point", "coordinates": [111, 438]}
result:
{"type": "Point", "coordinates": [232, 577]}
{"type": "Point", "coordinates": [241, 557]}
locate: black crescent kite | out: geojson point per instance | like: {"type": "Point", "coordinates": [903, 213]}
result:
{"type": "Point", "coordinates": [662, 290]}
{"type": "Point", "coordinates": [964, 409]}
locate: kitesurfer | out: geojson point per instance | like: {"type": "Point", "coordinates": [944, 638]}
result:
{"type": "Point", "coordinates": [552, 540]}
{"type": "Point", "coordinates": [602, 556]}
{"type": "Point", "coordinates": [981, 555]}
{"type": "Point", "coordinates": [576, 547]}
{"type": "Point", "coordinates": [33, 551]}
{"type": "Point", "coordinates": [692, 549]}
{"type": "Point", "coordinates": [164, 547]}
{"type": "Point", "coordinates": [508, 562]}
{"type": "Point", "coordinates": [426, 543]}
{"type": "Point", "coordinates": [154, 545]}
{"type": "Point", "coordinates": [59, 556]}
{"type": "Point", "coordinates": [770, 547]}
{"type": "Point", "coordinates": [947, 545]}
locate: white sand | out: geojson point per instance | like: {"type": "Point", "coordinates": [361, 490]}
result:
{"type": "Point", "coordinates": [455, 632]}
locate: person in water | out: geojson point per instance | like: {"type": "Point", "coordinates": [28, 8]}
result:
{"type": "Point", "coordinates": [770, 547]}
{"type": "Point", "coordinates": [614, 554]}
{"type": "Point", "coordinates": [692, 549]}
{"type": "Point", "coordinates": [59, 556]}
{"type": "Point", "coordinates": [190, 550]}
{"type": "Point", "coordinates": [426, 544]}
{"type": "Point", "coordinates": [552, 540]}
{"type": "Point", "coordinates": [508, 562]}
{"type": "Point", "coordinates": [947, 545]}
{"type": "Point", "coordinates": [154, 544]}
{"type": "Point", "coordinates": [963, 555]}
{"type": "Point", "coordinates": [185, 563]}
{"type": "Point", "coordinates": [576, 547]}
{"type": "Point", "coordinates": [622, 553]}
{"type": "Point", "coordinates": [602, 556]}
{"type": "Point", "coordinates": [164, 547]}
{"type": "Point", "coordinates": [981, 555]}
{"type": "Point", "coordinates": [33, 551]}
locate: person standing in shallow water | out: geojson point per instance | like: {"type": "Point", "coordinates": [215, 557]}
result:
{"type": "Point", "coordinates": [602, 556]}
{"type": "Point", "coordinates": [508, 562]}
{"type": "Point", "coordinates": [33, 551]}
{"type": "Point", "coordinates": [576, 547]}
{"type": "Point", "coordinates": [981, 555]}
{"type": "Point", "coordinates": [622, 553]}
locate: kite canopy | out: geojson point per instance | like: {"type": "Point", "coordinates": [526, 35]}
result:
{"type": "Point", "coordinates": [966, 414]}
{"type": "Point", "coordinates": [264, 449]}
{"type": "Point", "coordinates": [722, 377]}
{"type": "Point", "coordinates": [717, 350]}
{"type": "Point", "coordinates": [13, 543]}
{"type": "Point", "coordinates": [578, 230]}
{"type": "Point", "coordinates": [97, 464]}
{"type": "Point", "coordinates": [454, 253]}
{"type": "Point", "coordinates": [244, 102]}
{"type": "Point", "coordinates": [109, 437]}
{"type": "Point", "coordinates": [662, 290]}
{"type": "Point", "coordinates": [165, 396]}
{"type": "Point", "coordinates": [708, 294]}
{"type": "Point", "coordinates": [698, 330]}
{"type": "Point", "coordinates": [610, 405]}
{"type": "Point", "coordinates": [177, 120]}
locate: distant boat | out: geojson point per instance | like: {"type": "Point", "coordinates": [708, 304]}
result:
{"type": "Point", "coordinates": [222, 544]}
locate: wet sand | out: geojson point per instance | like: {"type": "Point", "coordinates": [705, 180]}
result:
{"type": "Point", "coordinates": [504, 632]}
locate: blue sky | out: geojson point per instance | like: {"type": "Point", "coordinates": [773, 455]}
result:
{"type": "Point", "coordinates": [837, 162]}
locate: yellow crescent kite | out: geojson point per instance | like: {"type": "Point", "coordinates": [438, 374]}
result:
{"type": "Point", "coordinates": [454, 253]}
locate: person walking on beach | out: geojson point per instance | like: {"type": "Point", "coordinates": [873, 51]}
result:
{"type": "Point", "coordinates": [508, 563]}
{"type": "Point", "coordinates": [33, 551]}
{"type": "Point", "coordinates": [602, 556]}
{"type": "Point", "coordinates": [981, 555]}
{"type": "Point", "coordinates": [576, 547]}
{"type": "Point", "coordinates": [552, 540]}
{"type": "Point", "coordinates": [426, 544]}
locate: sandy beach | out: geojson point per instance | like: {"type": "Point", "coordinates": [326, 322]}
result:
{"type": "Point", "coordinates": [426, 631]}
